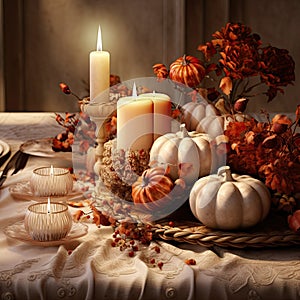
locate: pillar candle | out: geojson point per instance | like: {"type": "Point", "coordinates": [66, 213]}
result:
{"type": "Point", "coordinates": [134, 123]}
{"type": "Point", "coordinates": [161, 113]}
{"type": "Point", "coordinates": [99, 71]}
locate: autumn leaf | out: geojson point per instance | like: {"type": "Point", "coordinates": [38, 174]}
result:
{"type": "Point", "coordinates": [226, 85]}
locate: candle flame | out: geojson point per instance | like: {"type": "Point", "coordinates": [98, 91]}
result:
{"type": "Point", "coordinates": [99, 40]}
{"type": "Point", "coordinates": [134, 91]}
{"type": "Point", "coordinates": [51, 170]}
{"type": "Point", "coordinates": [48, 206]}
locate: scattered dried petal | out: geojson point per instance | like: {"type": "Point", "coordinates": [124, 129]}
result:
{"type": "Point", "coordinates": [190, 262]}
{"type": "Point", "coordinates": [294, 221]}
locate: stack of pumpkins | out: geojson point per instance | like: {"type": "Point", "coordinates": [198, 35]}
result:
{"type": "Point", "coordinates": [186, 160]}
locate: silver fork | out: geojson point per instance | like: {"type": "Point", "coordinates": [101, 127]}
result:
{"type": "Point", "coordinates": [17, 162]}
{"type": "Point", "coordinates": [4, 158]}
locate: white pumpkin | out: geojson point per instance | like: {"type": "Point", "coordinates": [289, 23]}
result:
{"type": "Point", "coordinates": [205, 118]}
{"type": "Point", "coordinates": [229, 201]}
{"type": "Point", "coordinates": [180, 150]}
{"type": "Point", "coordinates": [215, 125]}
{"type": "Point", "coordinates": [193, 112]}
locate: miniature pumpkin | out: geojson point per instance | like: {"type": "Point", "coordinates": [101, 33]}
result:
{"type": "Point", "coordinates": [188, 157]}
{"type": "Point", "coordinates": [153, 185]}
{"type": "Point", "coordinates": [194, 112]}
{"type": "Point", "coordinates": [215, 125]}
{"type": "Point", "coordinates": [229, 201]}
{"type": "Point", "coordinates": [205, 118]}
{"type": "Point", "coordinates": [187, 70]}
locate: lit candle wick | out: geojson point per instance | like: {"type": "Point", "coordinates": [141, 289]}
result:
{"type": "Point", "coordinates": [48, 206]}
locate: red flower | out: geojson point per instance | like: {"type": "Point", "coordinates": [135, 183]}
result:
{"type": "Point", "coordinates": [277, 69]}
{"type": "Point", "coordinates": [239, 61]}
{"type": "Point", "coordinates": [235, 33]}
{"type": "Point", "coordinates": [240, 56]}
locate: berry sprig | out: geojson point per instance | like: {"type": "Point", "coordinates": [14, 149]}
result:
{"type": "Point", "coordinates": [128, 237]}
{"type": "Point", "coordinates": [64, 140]}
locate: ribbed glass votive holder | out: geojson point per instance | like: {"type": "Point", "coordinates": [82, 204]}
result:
{"type": "Point", "coordinates": [49, 181]}
{"type": "Point", "coordinates": [48, 222]}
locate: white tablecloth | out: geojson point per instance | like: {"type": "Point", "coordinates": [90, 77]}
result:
{"type": "Point", "coordinates": [95, 270]}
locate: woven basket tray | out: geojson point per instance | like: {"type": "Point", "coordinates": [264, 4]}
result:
{"type": "Point", "coordinates": [273, 232]}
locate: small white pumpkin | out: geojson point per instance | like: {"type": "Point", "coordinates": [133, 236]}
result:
{"type": "Point", "coordinates": [180, 150]}
{"type": "Point", "coordinates": [205, 118]}
{"type": "Point", "coordinates": [193, 112]}
{"type": "Point", "coordinates": [229, 201]}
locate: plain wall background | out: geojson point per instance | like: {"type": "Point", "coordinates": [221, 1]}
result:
{"type": "Point", "coordinates": [46, 42]}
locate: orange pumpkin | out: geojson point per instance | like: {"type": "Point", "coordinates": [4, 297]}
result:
{"type": "Point", "coordinates": [187, 70]}
{"type": "Point", "coordinates": [154, 184]}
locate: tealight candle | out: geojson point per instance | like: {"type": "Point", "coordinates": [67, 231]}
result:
{"type": "Point", "coordinates": [50, 181]}
{"type": "Point", "coordinates": [48, 221]}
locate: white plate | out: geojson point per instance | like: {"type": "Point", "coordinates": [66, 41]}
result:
{"type": "Point", "coordinates": [43, 148]}
{"type": "Point", "coordinates": [22, 191]}
{"type": "Point", "coordinates": [18, 232]}
{"type": "Point", "coordinates": [4, 148]}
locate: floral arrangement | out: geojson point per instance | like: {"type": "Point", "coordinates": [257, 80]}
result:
{"type": "Point", "coordinates": [234, 68]}
{"type": "Point", "coordinates": [235, 65]}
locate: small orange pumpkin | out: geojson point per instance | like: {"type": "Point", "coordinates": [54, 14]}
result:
{"type": "Point", "coordinates": [187, 70]}
{"type": "Point", "coordinates": [153, 185]}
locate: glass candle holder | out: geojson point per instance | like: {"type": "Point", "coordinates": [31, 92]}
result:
{"type": "Point", "coordinates": [49, 181]}
{"type": "Point", "coordinates": [48, 221]}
